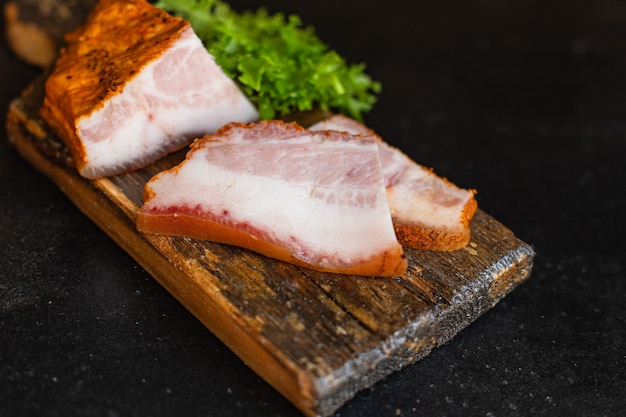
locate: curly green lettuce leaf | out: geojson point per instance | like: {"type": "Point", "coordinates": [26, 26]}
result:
{"type": "Point", "coordinates": [280, 64]}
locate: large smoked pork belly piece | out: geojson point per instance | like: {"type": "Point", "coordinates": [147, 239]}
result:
{"type": "Point", "coordinates": [134, 84]}
{"type": "Point", "coordinates": [314, 199]}
{"type": "Point", "coordinates": [428, 212]}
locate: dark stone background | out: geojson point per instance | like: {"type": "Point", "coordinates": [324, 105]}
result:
{"type": "Point", "coordinates": [524, 101]}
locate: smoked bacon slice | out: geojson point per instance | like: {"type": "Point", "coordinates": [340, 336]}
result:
{"type": "Point", "coordinates": [134, 84]}
{"type": "Point", "coordinates": [314, 199]}
{"type": "Point", "coordinates": [428, 212]}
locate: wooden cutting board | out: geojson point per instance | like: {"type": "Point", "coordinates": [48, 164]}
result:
{"type": "Point", "coordinates": [318, 338]}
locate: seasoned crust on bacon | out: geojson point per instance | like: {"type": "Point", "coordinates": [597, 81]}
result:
{"type": "Point", "coordinates": [425, 236]}
{"type": "Point", "coordinates": [133, 84]}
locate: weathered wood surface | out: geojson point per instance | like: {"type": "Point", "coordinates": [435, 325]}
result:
{"type": "Point", "coordinates": [317, 338]}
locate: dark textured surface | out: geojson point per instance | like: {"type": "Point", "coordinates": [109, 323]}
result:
{"type": "Point", "coordinates": [524, 102]}
{"type": "Point", "coordinates": [318, 338]}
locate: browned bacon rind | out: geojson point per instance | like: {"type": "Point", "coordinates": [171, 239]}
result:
{"type": "Point", "coordinates": [134, 84]}
{"type": "Point", "coordinates": [313, 199]}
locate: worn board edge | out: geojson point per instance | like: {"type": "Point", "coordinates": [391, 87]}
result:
{"type": "Point", "coordinates": [147, 251]}
{"type": "Point", "coordinates": [312, 397]}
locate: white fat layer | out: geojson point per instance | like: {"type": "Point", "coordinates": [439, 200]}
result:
{"type": "Point", "coordinates": [425, 210]}
{"type": "Point", "coordinates": [419, 196]}
{"type": "Point", "coordinates": [180, 96]}
{"type": "Point", "coordinates": [416, 198]}
{"type": "Point", "coordinates": [334, 235]}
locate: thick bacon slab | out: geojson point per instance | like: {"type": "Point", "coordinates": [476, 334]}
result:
{"type": "Point", "coordinates": [428, 212]}
{"type": "Point", "coordinates": [134, 84]}
{"type": "Point", "coordinates": [314, 199]}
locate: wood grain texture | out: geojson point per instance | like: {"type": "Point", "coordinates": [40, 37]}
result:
{"type": "Point", "coordinates": [318, 338]}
